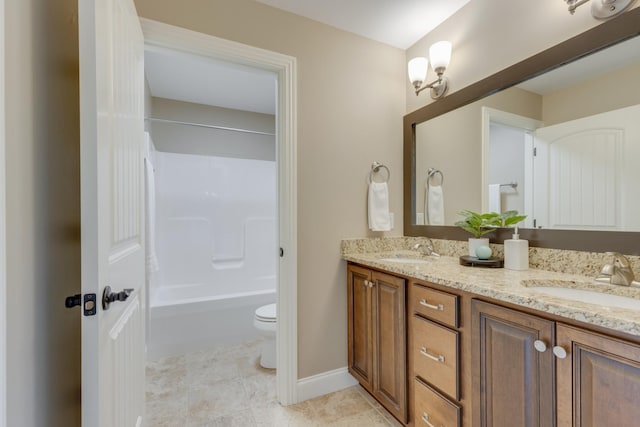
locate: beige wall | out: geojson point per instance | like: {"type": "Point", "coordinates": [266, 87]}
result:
{"type": "Point", "coordinates": [490, 35]}
{"type": "Point", "coordinates": [175, 138]}
{"type": "Point", "coordinates": [43, 212]}
{"type": "Point", "coordinates": [350, 107]}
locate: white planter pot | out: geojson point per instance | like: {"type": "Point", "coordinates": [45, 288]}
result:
{"type": "Point", "coordinates": [475, 243]}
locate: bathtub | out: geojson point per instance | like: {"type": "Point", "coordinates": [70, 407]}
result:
{"type": "Point", "coordinates": [216, 242]}
{"type": "Point", "coordinates": [184, 320]}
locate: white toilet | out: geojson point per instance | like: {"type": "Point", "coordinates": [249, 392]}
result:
{"type": "Point", "coordinates": [265, 321]}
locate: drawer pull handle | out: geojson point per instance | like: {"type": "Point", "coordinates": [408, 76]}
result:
{"type": "Point", "coordinates": [425, 419]}
{"type": "Point", "coordinates": [425, 353]}
{"type": "Point", "coordinates": [439, 307]}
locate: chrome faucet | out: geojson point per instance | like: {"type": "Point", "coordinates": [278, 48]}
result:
{"type": "Point", "coordinates": [617, 273]}
{"type": "Point", "coordinates": [425, 249]}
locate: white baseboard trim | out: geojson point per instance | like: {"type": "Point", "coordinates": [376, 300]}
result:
{"type": "Point", "coordinates": [324, 383]}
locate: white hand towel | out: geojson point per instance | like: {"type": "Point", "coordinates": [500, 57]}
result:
{"type": "Point", "coordinates": [379, 218]}
{"type": "Point", "coordinates": [495, 201]}
{"type": "Point", "coordinates": [150, 223]}
{"type": "Point", "coordinates": [435, 205]}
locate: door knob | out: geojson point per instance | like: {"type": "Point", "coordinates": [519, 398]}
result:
{"type": "Point", "coordinates": [560, 352]}
{"type": "Point", "coordinates": [540, 346]}
{"type": "Point", "coordinates": [108, 296]}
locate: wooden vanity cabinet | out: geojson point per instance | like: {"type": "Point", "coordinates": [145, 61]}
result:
{"type": "Point", "coordinates": [462, 361]}
{"type": "Point", "coordinates": [377, 336]}
{"type": "Point", "coordinates": [435, 353]}
{"type": "Point", "coordinates": [530, 371]}
{"type": "Point", "coordinates": [598, 380]}
{"type": "Point", "coordinates": [513, 376]}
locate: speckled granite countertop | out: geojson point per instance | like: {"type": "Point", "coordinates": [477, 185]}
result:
{"type": "Point", "coordinates": [510, 286]}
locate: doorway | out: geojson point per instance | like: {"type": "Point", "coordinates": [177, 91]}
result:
{"type": "Point", "coordinates": [165, 36]}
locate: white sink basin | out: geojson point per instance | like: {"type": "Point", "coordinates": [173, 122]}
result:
{"type": "Point", "coordinates": [590, 297]}
{"type": "Point", "coordinates": [406, 260]}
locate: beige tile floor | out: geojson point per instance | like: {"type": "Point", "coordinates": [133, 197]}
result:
{"type": "Point", "coordinates": [226, 387]}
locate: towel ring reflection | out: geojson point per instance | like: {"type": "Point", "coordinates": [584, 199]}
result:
{"type": "Point", "coordinates": [432, 172]}
{"type": "Point", "coordinates": [375, 168]}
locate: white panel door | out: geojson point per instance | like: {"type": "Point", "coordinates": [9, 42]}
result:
{"type": "Point", "coordinates": [592, 173]}
{"type": "Point", "coordinates": [111, 113]}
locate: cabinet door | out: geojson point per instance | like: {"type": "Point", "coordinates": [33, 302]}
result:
{"type": "Point", "coordinates": [598, 380]}
{"type": "Point", "coordinates": [513, 382]}
{"type": "Point", "coordinates": [390, 378]}
{"type": "Point", "coordinates": [360, 326]}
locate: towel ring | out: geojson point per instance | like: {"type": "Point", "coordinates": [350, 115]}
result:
{"type": "Point", "coordinates": [433, 172]}
{"type": "Point", "coordinates": [375, 168]}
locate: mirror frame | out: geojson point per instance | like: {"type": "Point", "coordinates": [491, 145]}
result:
{"type": "Point", "coordinates": [600, 37]}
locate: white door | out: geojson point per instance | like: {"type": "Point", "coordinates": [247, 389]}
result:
{"type": "Point", "coordinates": [586, 167]}
{"type": "Point", "coordinates": [111, 125]}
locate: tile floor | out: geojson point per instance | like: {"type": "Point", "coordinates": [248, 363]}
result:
{"type": "Point", "coordinates": [226, 387]}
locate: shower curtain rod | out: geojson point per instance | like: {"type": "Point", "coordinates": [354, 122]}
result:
{"type": "Point", "coordinates": [178, 122]}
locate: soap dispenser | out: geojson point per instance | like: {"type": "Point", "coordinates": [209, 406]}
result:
{"type": "Point", "coordinates": [516, 253]}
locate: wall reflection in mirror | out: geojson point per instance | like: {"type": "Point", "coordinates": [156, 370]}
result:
{"type": "Point", "coordinates": [562, 148]}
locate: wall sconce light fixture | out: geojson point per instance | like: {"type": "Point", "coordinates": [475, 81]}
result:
{"type": "Point", "coordinates": [601, 9]}
{"type": "Point", "coordinates": [439, 55]}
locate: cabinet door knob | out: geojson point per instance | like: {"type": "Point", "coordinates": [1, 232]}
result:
{"type": "Point", "coordinates": [560, 352]}
{"type": "Point", "coordinates": [540, 346]}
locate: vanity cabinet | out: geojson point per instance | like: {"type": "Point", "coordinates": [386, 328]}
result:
{"type": "Point", "coordinates": [530, 371]}
{"type": "Point", "coordinates": [598, 379]}
{"type": "Point", "coordinates": [435, 357]}
{"type": "Point", "coordinates": [513, 376]}
{"type": "Point", "coordinates": [377, 336]}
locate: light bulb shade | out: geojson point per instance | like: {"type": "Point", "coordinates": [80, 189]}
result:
{"type": "Point", "coordinates": [418, 69]}
{"type": "Point", "coordinates": [440, 55]}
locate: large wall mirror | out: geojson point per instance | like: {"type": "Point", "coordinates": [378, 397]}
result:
{"type": "Point", "coordinates": [556, 137]}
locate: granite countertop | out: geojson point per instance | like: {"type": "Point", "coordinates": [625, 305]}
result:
{"type": "Point", "coordinates": [510, 286]}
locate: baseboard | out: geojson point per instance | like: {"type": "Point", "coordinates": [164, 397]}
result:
{"type": "Point", "coordinates": [324, 383]}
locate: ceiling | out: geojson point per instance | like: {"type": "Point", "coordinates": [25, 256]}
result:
{"type": "Point", "coordinates": [190, 78]}
{"type": "Point", "coordinates": [397, 23]}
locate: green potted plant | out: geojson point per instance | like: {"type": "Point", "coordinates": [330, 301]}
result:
{"type": "Point", "coordinates": [478, 224]}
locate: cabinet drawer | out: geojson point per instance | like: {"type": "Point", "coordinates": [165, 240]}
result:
{"type": "Point", "coordinates": [436, 305]}
{"type": "Point", "coordinates": [435, 355]}
{"type": "Point", "coordinates": [431, 409]}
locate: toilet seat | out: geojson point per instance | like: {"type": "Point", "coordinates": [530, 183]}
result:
{"type": "Point", "coordinates": [266, 313]}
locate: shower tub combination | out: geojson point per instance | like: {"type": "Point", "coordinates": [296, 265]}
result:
{"type": "Point", "coordinates": [217, 251]}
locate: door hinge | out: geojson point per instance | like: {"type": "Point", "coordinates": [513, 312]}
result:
{"type": "Point", "coordinates": [534, 223]}
{"type": "Point", "coordinates": [535, 151]}
{"type": "Point", "coordinates": [281, 252]}
{"type": "Point", "coordinates": [88, 306]}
